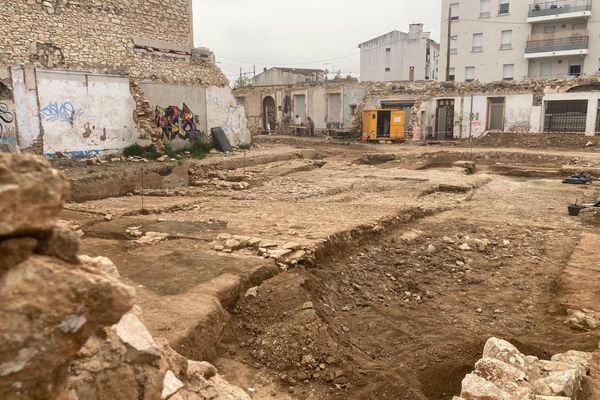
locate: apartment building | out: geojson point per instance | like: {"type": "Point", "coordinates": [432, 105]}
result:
{"type": "Point", "coordinates": [400, 56]}
{"type": "Point", "coordinates": [493, 40]}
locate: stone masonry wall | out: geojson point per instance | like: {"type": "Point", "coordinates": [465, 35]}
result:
{"type": "Point", "coordinates": [98, 35]}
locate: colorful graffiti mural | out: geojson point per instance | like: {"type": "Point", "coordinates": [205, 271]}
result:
{"type": "Point", "coordinates": [177, 122]}
{"type": "Point", "coordinates": [6, 118]}
{"type": "Point", "coordinates": [63, 112]}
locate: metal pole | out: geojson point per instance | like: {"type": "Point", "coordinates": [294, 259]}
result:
{"type": "Point", "coordinates": [448, 44]}
{"type": "Point", "coordinates": [142, 188]}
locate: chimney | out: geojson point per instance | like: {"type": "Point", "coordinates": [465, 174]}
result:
{"type": "Point", "coordinates": [415, 30]}
{"type": "Point", "coordinates": [265, 69]}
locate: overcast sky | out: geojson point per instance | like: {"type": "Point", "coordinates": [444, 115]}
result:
{"type": "Point", "coordinates": [302, 33]}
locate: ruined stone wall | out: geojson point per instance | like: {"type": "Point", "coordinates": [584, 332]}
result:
{"type": "Point", "coordinates": [98, 35]}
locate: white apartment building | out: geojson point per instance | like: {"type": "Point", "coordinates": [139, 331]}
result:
{"type": "Point", "coordinates": [400, 56]}
{"type": "Point", "coordinates": [494, 40]}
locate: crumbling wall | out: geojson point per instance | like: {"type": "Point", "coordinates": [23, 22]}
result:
{"type": "Point", "coordinates": [222, 111]}
{"type": "Point", "coordinates": [85, 114]}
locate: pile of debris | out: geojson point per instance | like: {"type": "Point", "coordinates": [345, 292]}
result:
{"type": "Point", "coordinates": [70, 330]}
{"type": "Point", "coordinates": [504, 373]}
{"type": "Point", "coordinates": [285, 254]}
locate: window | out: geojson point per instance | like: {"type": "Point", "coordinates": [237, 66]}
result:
{"type": "Point", "coordinates": [508, 72]}
{"type": "Point", "coordinates": [454, 12]}
{"type": "Point", "coordinates": [388, 50]}
{"type": "Point", "coordinates": [353, 108]}
{"type": "Point", "coordinates": [477, 42]}
{"type": "Point", "coordinates": [485, 10]}
{"type": "Point", "coordinates": [451, 74]}
{"type": "Point", "coordinates": [575, 70]}
{"type": "Point", "coordinates": [504, 8]}
{"type": "Point", "coordinates": [506, 40]}
{"type": "Point", "coordinates": [387, 69]}
{"type": "Point", "coordinates": [453, 44]}
{"type": "Point", "coordinates": [469, 74]}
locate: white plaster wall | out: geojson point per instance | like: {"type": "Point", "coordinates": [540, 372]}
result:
{"type": "Point", "coordinates": [84, 114]}
{"type": "Point", "coordinates": [352, 96]}
{"type": "Point", "coordinates": [164, 96]}
{"type": "Point", "coordinates": [488, 63]}
{"type": "Point", "coordinates": [318, 107]}
{"type": "Point", "coordinates": [26, 115]}
{"type": "Point", "coordinates": [536, 119]}
{"type": "Point", "coordinates": [406, 51]}
{"type": "Point", "coordinates": [222, 111]}
{"type": "Point", "coordinates": [518, 114]}
{"type": "Point", "coordinates": [479, 121]}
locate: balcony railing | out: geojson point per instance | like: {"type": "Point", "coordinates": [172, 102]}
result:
{"type": "Point", "coordinates": [575, 42]}
{"type": "Point", "coordinates": [559, 7]}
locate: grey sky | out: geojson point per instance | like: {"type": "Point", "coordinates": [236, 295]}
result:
{"type": "Point", "coordinates": [305, 33]}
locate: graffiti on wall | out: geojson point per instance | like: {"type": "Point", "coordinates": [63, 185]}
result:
{"type": "Point", "coordinates": [177, 122]}
{"type": "Point", "coordinates": [6, 118]}
{"type": "Point", "coordinates": [62, 112]}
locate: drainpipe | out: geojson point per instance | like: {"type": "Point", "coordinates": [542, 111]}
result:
{"type": "Point", "coordinates": [471, 120]}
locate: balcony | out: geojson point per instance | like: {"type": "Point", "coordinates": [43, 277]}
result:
{"type": "Point", "coordinates": [576, 44]}
{"type": "Point", "coordinates": [559, 9]}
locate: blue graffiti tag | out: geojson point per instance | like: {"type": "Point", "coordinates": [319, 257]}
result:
{"type": "Point", "coordinates": [63, 112]}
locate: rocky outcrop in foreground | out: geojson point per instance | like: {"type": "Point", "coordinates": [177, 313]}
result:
{"type": "Point", "coordinates": [504, 373]}
{"type": "Point", "coordinates": [68, 326]}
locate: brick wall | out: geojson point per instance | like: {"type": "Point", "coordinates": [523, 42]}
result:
{"type": "Point", "coordinates": [98, 35]}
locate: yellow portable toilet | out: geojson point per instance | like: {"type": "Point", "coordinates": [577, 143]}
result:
{"type": "Point", "coordinates": [383, 125]}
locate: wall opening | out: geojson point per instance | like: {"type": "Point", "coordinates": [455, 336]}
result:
{"type": "Point", "coordinates": [269, 113]}
{"type": "Point", "coordinates": [384, 121]}
{"type": "Point", "coordinates": [444, 119]}
{"type": "Point", "coordinates": [565, 116]}
{"type": "Point", "coordinates": [496, 114]}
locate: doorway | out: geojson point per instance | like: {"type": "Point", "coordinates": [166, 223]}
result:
{"type": "Point", "coordinates": [444, 119]}
{"type": "Point", "coordinates": [269, 113]}
{"type": "Point", "coordinates": [495, 114]}
{"type": "Point", "coordinates": [384, 121]}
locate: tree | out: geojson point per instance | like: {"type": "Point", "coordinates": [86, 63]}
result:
{"type": "Point", "coordinates": [242, 82]}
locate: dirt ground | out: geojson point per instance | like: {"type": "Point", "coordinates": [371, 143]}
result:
{"type": "Point", "coordinates": [411, 263]}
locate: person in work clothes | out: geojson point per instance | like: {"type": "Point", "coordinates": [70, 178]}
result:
{"type": "Point", "coordinates": [311, 127]}
{"type": "Point", "coordinates": [298, 124]}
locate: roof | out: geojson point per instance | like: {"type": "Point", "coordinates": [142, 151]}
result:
{"type": "Point", "coordinates": [302, 71]}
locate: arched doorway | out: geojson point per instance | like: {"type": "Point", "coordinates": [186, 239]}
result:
{"type": "Point", "coordinates": [269, 113]}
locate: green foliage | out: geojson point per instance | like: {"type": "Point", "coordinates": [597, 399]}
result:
{"type": "Point", "coordinates": [245, 146]}
{"type": "Point", "coordinates": [242, 82]}
{"type": "Point", "coordinates": [135, 150]}
{"type": "Point", "coordinates": [169, 151]}
{"type": "Point", "coordinates": [200, 149]}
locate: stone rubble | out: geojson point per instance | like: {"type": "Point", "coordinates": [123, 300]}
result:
{"type": "Point", "coordinates": [504, 373]}
{"type": "Point", "coordinates": [284, 253]}
{"type": "Point", "coordinates": [69, 327]}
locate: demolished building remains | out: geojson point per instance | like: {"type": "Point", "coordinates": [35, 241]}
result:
{"type": "Point", "coordinates": [438, 111]}
{"type": "Point", "coordinates": [75, 88]}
